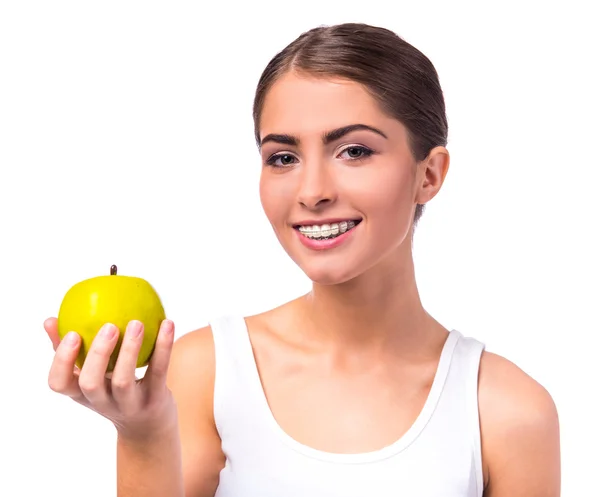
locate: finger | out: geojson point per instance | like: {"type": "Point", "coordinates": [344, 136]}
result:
{"type": "Point", "coordinates": [159, 363]}
{"type": "Point", "coordinates": [123, 379]}
{"type": "Point", "coordinates": [61, 377]}
{"type": "Point", "coordinates": [92, 380]}
{"type": "Point", "coordinates": [51, 327]}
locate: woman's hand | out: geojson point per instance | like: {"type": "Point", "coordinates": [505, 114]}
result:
{"type": "Point", "coordinates": [138, 408]}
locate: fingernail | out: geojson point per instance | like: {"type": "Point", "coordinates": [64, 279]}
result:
{"type": "Point", "coordinates": [108, 331]}
{"type": "Point", "coordinates": [169, 327]}
{"type": "Point", "coordinates": [71, 338]}
{"type": "Point", "coordinates": [136, 329]}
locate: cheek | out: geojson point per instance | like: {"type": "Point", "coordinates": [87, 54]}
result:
{"type": "Point", "coordinates": [385, 195]}
{"type": "Point", "coordinates": [274, 198]}
{"type": "Point", "coordinates": [266, 199]}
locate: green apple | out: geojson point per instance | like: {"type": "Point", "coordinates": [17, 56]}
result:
{"type": "Point", "coordinates": [115, 299]}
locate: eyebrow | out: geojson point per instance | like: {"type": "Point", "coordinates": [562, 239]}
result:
{"type": "Point", "coordinates": [328, 137]}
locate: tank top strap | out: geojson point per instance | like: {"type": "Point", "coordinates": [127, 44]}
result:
{"type": "Point", "coordinates": [232, 345]}
{"type": "Point", "coordinates": [235, 373]}
{"type": "Point", "coordinates": [467, 363]}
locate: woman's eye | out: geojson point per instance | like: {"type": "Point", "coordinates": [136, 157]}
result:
{"type": "Point", "coordinates": [357, 152]}
{"type": "Point", "coordinates": [281, 160]}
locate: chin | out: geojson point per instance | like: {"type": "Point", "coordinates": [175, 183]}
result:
{"type": "Point", "coordinates": [328, 274]}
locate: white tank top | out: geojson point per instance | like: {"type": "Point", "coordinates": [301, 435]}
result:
{"type": "Point", "coordinates": [439, 456]}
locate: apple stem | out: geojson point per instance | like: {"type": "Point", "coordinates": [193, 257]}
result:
{"type": "Point", "coordinates": [113, 270]}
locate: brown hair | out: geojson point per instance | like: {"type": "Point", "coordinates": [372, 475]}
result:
{"type": "Point", "coordinates": [401, 78]}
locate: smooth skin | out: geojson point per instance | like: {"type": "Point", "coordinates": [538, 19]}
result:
{"type": "Point", "coordinates": [361, 333]}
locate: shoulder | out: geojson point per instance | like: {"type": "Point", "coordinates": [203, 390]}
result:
{"type": "Point", "coordinates": [507, 391]}
{"type": "Point", "coordinates": [192, 371]}
{"type": "Point", "coordinates": [193, 353]}
{"type": "Point", "coordinates": [519, 431]}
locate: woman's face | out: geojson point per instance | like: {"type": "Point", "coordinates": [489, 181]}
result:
{"type": "Point", "coordinates": [332, 159]}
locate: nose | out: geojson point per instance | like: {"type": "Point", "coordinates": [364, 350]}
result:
{"type": "Point", "coordinates": [317, 186]}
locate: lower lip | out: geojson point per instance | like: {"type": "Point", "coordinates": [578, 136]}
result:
{"type": "Point", "coordinates": [314, 244]}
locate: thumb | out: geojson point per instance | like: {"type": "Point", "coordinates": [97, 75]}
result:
{"type": "Point", "coordinates": [51, 327]}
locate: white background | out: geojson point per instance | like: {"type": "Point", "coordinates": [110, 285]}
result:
{"type": "Point", "coordinates": [126, 138]}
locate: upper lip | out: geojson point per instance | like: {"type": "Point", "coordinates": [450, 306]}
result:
{"type": "Point", "coordinates": [329, 220]}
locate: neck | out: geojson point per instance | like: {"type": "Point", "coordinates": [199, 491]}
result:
{"type": "Point", "coordinates": [375, 310]}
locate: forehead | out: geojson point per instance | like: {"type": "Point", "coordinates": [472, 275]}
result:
{"type": "Point", "coordinates": [306, 104]}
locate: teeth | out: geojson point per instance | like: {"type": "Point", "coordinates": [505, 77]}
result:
{"type": "Point", "coordinates": [326, 230]}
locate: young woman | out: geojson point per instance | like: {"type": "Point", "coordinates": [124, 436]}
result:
{"type": "Point", "coordinates": [353, 389]}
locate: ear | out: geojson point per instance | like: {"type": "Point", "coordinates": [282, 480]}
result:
{"type": "Point", "coordinates": [431, 173]}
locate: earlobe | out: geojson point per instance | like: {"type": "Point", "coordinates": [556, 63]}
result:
{"type": "Point", "coordinates": [432, 174]}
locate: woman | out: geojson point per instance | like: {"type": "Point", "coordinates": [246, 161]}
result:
{"type": "Point", "coordinates": [353, 389]}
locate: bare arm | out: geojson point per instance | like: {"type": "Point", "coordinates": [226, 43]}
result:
{"type": "Point", "coordinates": [520, 432]}
{"type": "Point", "coordinates": [150, 468]}
{"type": "Point", "coordinates": [185, 459]}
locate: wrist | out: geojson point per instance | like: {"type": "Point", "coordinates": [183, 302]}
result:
{"type": "Point", "coordinates": [144, 435]}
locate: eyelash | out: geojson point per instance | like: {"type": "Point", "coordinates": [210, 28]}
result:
{"type": "Point", "coordinates": [365, 154]}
